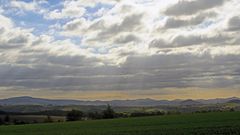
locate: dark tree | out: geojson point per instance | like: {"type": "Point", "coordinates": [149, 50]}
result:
{"type": "Point", "coordinates": [7, 118]}
{"type": "Point", "coordinates": [74, 115]}
{"type": "Point", "coordinates": [232, 110]}
{"type": "Point", "coordinates": [108, 113]}
{"type": "Point", "coordinates": [94, 115]}
{"type": "Point", "coordinates": [1, 121]}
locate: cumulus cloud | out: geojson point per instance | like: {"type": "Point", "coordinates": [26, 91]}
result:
{"type": "Point", "coordinates": [199, 39]}
{"type": "Point", "coordinates": [189, 40]}
{"type": "Point", "coordinates": [67, 12]}
{"type": "Point", "coordinates": [5, 22]}
{"type": "Point", "coordinates": [104, 33]}
{"type": "Point", "coordinates": [234, 24]}
{"type": "Point", "coordinates": [20, 7]}
{"type": "Point", "coordinates": [159, 43]}
{"type": "Point", "coordinates": [128, 24]}
{"type": "Point", "coordinates": [76, 27]}
{"type": "Point", "coordinates": [177, 23]}
{"type": "Point", "coordinates": [192, 7]}
{"type": "Point", "coordinates": [123, 39]}
{"type": "Point", "coordinates": [75, 8]}
{"type": "Point", "coordinates": [31, 6]}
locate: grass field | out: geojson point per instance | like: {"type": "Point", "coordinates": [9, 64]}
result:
{"type": "Point", "coordinates": [187, 124]}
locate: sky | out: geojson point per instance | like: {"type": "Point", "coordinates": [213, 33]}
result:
{"type": "Point", "coordinates": [120, 49]}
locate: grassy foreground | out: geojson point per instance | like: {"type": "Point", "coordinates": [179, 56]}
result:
{"type": "Point", "coordinates": [187, 124]}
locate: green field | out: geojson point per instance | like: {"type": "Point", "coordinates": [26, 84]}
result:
{"type": "Point", "coordinates": [186, 124]}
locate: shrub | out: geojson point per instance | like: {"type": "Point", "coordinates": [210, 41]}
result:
{"type": "Point", "coordinates": [74, 115]}
{"type": "Point", "coordinates": [108, 113]}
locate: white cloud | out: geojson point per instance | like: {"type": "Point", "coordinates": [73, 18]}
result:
{"type": "Point", "coordinates": [31, 6]}
{"type": "Point", "coordinates": [68, 12]}
{"type": "Point", "coordinates": [76, 27]}
{"type": "Point", "coordinates": [5, 22]}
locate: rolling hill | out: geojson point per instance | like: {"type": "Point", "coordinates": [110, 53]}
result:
{"type": "Point", "coordinates": [25, 100]}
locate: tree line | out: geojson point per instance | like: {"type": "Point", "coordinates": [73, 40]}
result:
{"type": "Point", "coordinates": [108, 113]}
{"type": "Point", "coordinates": [77, 115]}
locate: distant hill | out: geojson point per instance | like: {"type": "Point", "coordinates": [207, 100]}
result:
{"type": "Point", "coordinates": [237, 101]}
{"type": "Point", "coordinates": [190, 102]}
{"type": "Point", "coordinates": [25, 100]}
{"type": "Point", "coordinates": [217, 100]}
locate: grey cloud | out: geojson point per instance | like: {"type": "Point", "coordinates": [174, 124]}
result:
{"type": "Point", "coordinates": [184, 68]}
{"type": "Point", "coordinates": [181, 40]}
{"type": "Point", "coordinates": [234, 24]}
{"type": "Point", "coordinates": [97, 25]}
{"type": "Point", "coordinates": [18, 40]}
{"type": "Point", "coordinates": [42, 57]}
{"type": "Point", "coordinates": [192, 7]}
{"type": "Point", "coordinates": [200, 39]}
{"type": "Point", "coordinates": [12, 40]}
{"type": "Point", "coordinates": [138, 72]}
{"type": "Point", "coordinates": [159, 43]}
{"type": "Point", "coordinates": [72, 60]}
{"type": "Point", "coordinates": [128, 24]}
{"type": "Point", "coordinates": [74, 25]}
{"type": "Point", "coordinates": [177, 23]}
{"type": "Point", "coordinates": [126, 39]}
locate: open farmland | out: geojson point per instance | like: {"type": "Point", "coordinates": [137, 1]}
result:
{"type": "Point", "coordinates": [203, 123]}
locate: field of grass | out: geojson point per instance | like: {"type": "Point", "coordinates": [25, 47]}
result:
{"type": "Point", "coordinates": [186, 124]}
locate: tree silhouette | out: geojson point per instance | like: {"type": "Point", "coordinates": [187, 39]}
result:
{"type": "Point", "coordinates": [108, 113]}
{"type": "Point", "coordinates": [1, 121]}
{"type": "Point", "coordinates": [7, 118]}
{"type": "Point", "coordinates": [74, 115]}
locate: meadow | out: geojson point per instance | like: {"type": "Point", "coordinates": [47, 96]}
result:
{"type": "Point", "coordinates": [215, 123]}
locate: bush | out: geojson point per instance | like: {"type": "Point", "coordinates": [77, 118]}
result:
{"type": "Point", "coordinates": [74, 115]}
{"type": "Point", "coordinates": [18, 122]}
{"type": "Point", "coordinates": [95, 115]}
{"type": "Point", "coordinates": [7, 119]}
{"type": "Point", "coordinates": [108, 113]}
{"type": "Point", "coordinates": [1, 121]}
{"type": "Point", "coordinates": [139, 114]}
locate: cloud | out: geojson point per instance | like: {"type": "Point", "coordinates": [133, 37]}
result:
{"type": "Point", "coordinates": [12, 37]}
{"type": "Point", "coordinates": [159, 71]}
{"type": "Point", "coordinates": [159, 43]}
{"type": "Point", "coordinates": [177, 23]}
{"type": "Point", "coordinates": [90, 3]}
{"type": "Point", "coordinates": [234, 24]}
{"type": "Point", "coordinates": [20, 7]}
{"type": "Point", "coordinates": [199, 39]}
{"type": "Point", "coordinates": [103, 32]}
{"type": "Point", "coordinates": [126, 39]}
{"type": "Point", "coordinates": [5, 22]}
{"type": "Point", "coordinates": [189, 40]}
{"type": "Point", "coordinates": [192, 7]}
{"type": "Point", "coordinates": [75, 8]}
{"type": "Point", "coordinates": [76, 27]}
{"type": "Point", "coordinates": [68, 12]}
{"type": "Point", "coordinates": [31, 6]}
{"type": "Point", "coordinates": [129, 24]}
